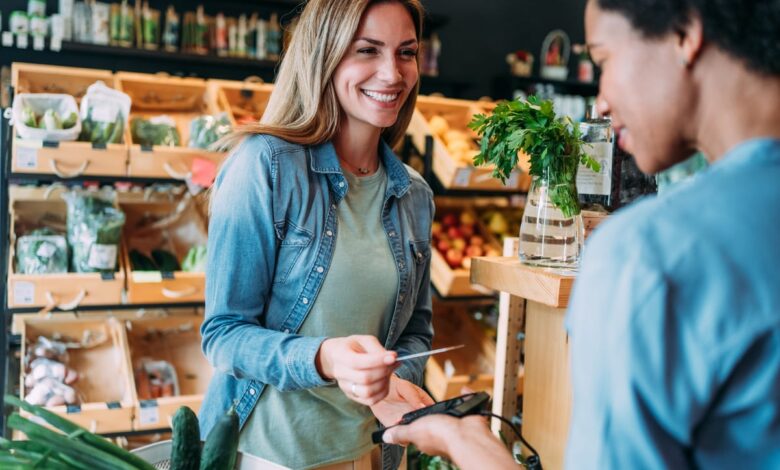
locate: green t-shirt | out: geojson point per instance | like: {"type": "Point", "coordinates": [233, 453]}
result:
{"type": "Point", "coordinates": [315, 427]}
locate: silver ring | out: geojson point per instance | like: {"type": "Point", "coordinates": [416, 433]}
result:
{"type": "Point", "coordinates": [352, 389]}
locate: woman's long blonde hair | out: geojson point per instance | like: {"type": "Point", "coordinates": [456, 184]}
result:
{"type": "Point", "coordinates": [303, 107]}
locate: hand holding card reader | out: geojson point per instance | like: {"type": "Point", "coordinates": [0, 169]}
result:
{"type": "Point", "coordinates": [464, 405]}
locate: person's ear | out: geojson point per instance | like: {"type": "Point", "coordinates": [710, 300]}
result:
{"type": "Point", "coordinates": [690, 41]}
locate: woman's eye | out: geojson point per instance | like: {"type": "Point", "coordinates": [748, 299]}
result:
{"type": "Point", "coordinates": [367, 50]}
{"type": "Point", "coordinates": [409, 53]}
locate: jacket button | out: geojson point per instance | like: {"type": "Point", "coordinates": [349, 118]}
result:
{"type": "Point", "coordinates": [400, 266]}
{"type": "Point", "coordinates": [286, 330]}
{"type": "Point", "coordinates": [333, 206]}
{"type": "Point", "coordinates": [329, 233]}
{"type": "Point", "coordinates": [392, 234]}
{"type": "Point", "coordinates": [341, 184]}
{"type": "Point", "coordinates": [401, 297]}
{"type": "Point", "coordinates": [252, 391]}
{"type": "Point", "coordinates": [305, 301]}
{"type": "Point", "coordinates": [320, 269]}
{"type": "Point", "coordinates": [419, 255]}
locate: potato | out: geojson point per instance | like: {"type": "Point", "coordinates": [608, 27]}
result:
{"type": "Point", "coordinates": [439, 125]}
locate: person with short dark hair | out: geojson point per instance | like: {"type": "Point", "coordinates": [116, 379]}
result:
{"type": "Point", "coordinates": [674, 321]}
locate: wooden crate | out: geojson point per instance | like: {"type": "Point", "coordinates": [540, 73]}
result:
{"type": "Point", "coordinates": [66, 291]}
{"type": "Point", "coordinates": [453, 171]}
{"type": "Point", "coordinates": [239, 100]}
{"type": "Point", "coordinates": [591, 219]}
{"type": "Point", "coordinates": [145, 287]}
{"type": "Point", "coordinates": [456, 282]}
{"type": "Point", "coordinates": [183, 99]}
{"type": "Point", "coordinates": [105, 383]}
{"type": "Point", "coordinates": [64, 159]}
{"type": "Point", "coordinates": [472, 366]}
{"type": "Point", "coordinates": [175, 339]}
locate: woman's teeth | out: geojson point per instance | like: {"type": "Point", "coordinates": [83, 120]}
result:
{"type": "Point", "coordinates": [381, 97]}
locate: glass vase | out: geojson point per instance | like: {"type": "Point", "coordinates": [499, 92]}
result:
{"type": "Point", "coordinates": [552, 233]}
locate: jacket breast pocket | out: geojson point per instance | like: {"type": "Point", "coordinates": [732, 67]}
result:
{"type": "Point", "coordinates": [294, 242]}
{"type": "Point", "coordinates": [421, 257]}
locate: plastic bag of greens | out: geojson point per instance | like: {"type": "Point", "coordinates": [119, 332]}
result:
{"type": "Point", "coordinates": [206, 130]}
{"type": "Point", "coordinates": [94, 228]}
{"type": "Point", "coordinates": [159, 130]}
{"type": "Point", "coordinates": [104, 113]}
{"type": "Point", "coordinates": [42, 251]}
{"type": "Point", "coordinates": [195, 261]}
{"type": "Point", "coordinates": [46, 116]}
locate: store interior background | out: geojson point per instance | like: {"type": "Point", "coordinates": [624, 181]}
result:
{"type": "Point", "coordinates": [475, 37]}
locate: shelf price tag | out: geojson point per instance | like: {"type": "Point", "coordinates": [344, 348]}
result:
{"type": "Point", "coordinates": [24, 293]}
{"type": "Point", "coordinates": [21, 41]}
{"type": "Point", "coordinates": [56, 43]}
{"type": "Point", "coordinates": [8, 39]}
{"type": "Point", "coordinates": [26, 158]}
{"type": "Point", "coordinates": [39, 43]}
{"type": "Point", "coordinates": [144, 277]}
{"type": "Point", "coordinates": [463, 177]}
{"type": "Point", "coordinates": [150, 413]}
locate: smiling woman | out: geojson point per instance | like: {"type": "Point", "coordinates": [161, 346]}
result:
{"type": "Point", "coordinates": [319, 247]}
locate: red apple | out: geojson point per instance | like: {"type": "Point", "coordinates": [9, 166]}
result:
{"type": "Point", "coordinates": [476, 240]}
{"type": "Point", "coordinates": [474, 251]}
{"type": "Point", "coordinates": [454, 258]}
{"type": "Point", "coordinates": [436, 229]}
{"type": "Point", "coordinates": [443, 246]}
{"type": "Point", "coordinates": [449, 220]}
{"type": "Point", "coordinates": [454, 232]}
{"type": "Point", "coordinates": [467, 230]}
{"type": "Point", "coordinates": [459, 244]}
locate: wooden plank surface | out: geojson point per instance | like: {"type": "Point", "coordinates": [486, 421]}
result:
{"type": "Point", "coordinates": [508, 274]}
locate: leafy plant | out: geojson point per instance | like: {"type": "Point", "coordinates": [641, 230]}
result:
{"type": "Point", "coordinates": [553, 143]}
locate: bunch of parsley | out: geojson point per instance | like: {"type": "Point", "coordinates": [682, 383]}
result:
{"type": "Point", "coordinates": [553, 143]}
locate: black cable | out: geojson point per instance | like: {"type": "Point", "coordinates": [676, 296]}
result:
{"type": "Point", "coordinates": [534, 462]}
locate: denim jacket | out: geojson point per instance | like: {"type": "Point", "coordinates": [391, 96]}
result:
{"type": "Point", "coordinates": [272, 235]}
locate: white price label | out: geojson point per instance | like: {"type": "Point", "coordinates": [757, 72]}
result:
{"type": "Point", "coordinates": [39, 43]}
{"type": "Point", "coordinates": [56, 43]}
{"type": "Point", "coordinates": [8, 39]}
{"type": "Point", "coordinates": [26, 158]}
{"type": "Point", "coordinates": [463, 177]}
{"type": "Point", "coordinates": [102, 256]}
{"type": "Point", "coordinates": [146, 277]}
{"type": "Point", "coordinates": [150, 414]}
{"type": "Point", "coordinates": [24, 293]}
{"type": "Point", "coordinates": [21, 41]}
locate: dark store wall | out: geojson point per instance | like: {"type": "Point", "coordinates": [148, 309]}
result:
{"type": "Point", "coordinates": [475, 39]}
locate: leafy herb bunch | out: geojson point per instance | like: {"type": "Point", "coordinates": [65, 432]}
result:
{"type": "Point", "coordinates": [553, 143]}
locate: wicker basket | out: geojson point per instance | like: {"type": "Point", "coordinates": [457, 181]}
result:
{"type": "Point", "coordinates": [159, 454]}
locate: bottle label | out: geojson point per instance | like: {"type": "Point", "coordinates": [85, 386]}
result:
{"type": "Point", "coordinates": [590, 182]}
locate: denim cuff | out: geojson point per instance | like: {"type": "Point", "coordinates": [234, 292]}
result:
{"type": "Point", "coordinates": [302, 365]}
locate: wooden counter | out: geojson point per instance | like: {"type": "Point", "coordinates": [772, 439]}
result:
{"type": "Point", "coordinates": [539, 298]}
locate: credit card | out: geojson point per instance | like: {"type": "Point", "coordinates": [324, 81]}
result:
{"type": "Point", "coordinates": [428, 353]}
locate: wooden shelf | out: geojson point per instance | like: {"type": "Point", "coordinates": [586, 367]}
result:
{"type": "Point", "coordinates": [508, 274]}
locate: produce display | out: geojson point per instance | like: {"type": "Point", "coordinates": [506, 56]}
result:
{"type": "Point", "coordinates": [160, 260]}
{"type": "Point", "coordinates": [104, 113]}
{"type": "Point", "coordinates": [502, 222]}
{"type": "Point", "coordinates": [94, 230]}
{"type": "Point", "coordinates": [156, 379]}
{"type": "Point", "coordinates": [159, 130]}
{"type": "Point", "coordinates": [195, 261]}
{"type": "Point", "coordinates": [42, 251]}
{"type": "Point", "coordinates": [48, 379]}
{"type": "Point", "coordinates": [46, 117]}
{"type": "Point", "coordinates": [206, 130]}
{"type": "Point", "coordinates": [460, 144]}
{"type": "Point", "coordinates": [457, 238]}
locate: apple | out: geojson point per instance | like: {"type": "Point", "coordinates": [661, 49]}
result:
{"type": "Point", "coordinates": [467, 230]}
{"type": "Point", "coordinates": [449, 220]}
{"type": "Point", "coordinates": [454, 258]}
{"type": "Point", "coordinates": [476, 240]}
{"type": "Point", "coordinates": [466, 218]}
{"type": "Point", "coordinates": [492, 252]}
{"type": "Point", "coordinates": [436, 229]}
{"type": "Point", "coordinates": [454, 232]}
{"type": "Point", "coordinates": [459, 244]}
{"type": "Point", "coordinates": [474, 251]}
{"type": "Point", "coordinates": [443, 246]}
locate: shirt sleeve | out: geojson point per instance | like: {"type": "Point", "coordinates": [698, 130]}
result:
{"type": "Point", "coordinates": [241, 260]}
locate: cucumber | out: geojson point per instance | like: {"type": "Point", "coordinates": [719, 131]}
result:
{"type": "Point", "coordinates": [165, 261]}
{"type": "Point", "coordinates": [186, 440]}
{"type": "Point", "coordinates": [221, 448]}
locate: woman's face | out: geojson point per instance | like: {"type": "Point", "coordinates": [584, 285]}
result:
{"type": "Point", "coordinates": [644, 87]}
{"type": "Point", "coordinates": [379, 69]}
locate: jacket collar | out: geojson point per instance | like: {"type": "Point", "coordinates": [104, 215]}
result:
{"type": "Point", "coordinates": [324, 160]}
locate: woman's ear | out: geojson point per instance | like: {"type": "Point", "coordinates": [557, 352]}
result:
{"type": "Point", "coordinates": [690, 41]}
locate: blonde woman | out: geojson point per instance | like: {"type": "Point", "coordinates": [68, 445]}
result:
{"type": "Point", "coordinates": [319, 256]}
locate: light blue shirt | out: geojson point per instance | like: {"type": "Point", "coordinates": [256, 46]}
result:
{"type": "Point", "coordinates": [675, 326]}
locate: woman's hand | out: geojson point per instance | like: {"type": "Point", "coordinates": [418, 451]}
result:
{"type": "Point", "coordinates": [402, 398]}
{"type": "Point", "coordinates": [359, 364]}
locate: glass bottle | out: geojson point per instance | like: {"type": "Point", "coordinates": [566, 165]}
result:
{"type": "Point", "coordinates": [599, 190]}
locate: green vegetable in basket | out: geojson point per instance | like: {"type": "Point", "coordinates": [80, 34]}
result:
{"type": "Point", "coordinates": [42, 251]}
{"type": "Point", "coordinates": [94, 229]}
{"type": "Point", "coordinates": [221, 448]}
{"type": "Point", "coordinates": [51, 120]}
{"type": "Point", "coordinates": [141, 262]}
{"type": "Point", "coordinates": [28, 117]}
{"type": "Point", "coordinates": [99, 132]}
{"type": "Point", "coordinates": [195, 261]}
{"type": "Point", "coordinates": [166, 261]}
{"type": "Point", "coordinates": [147, 132]}
{"type": "Point", "coordinates": [206, 130]}
{"type": "Point", "coordinates": [70, 121]}
{"type": "Point", "coordinates": [185, 454]}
